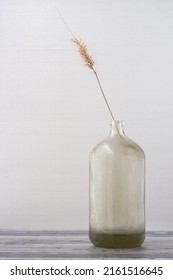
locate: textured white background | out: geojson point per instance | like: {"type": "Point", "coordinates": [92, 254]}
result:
{"type": "Point", "coordinates": [52, 113]}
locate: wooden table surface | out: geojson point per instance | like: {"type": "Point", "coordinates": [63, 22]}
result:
{"type": "Point", "coordinates": [76, 245]}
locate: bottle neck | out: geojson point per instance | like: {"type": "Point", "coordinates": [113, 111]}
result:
{"type": "Point", "coordinates": [117, 128]}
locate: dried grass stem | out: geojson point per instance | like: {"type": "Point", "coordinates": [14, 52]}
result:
{"type": "Point", "coordinates": [89, 62]}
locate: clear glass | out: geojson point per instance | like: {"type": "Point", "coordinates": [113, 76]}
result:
{"type": "Point", "coordinates": [117, 195]}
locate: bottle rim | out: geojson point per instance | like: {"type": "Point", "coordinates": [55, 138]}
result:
{"type": "Point", "coordinates": [117, 122]}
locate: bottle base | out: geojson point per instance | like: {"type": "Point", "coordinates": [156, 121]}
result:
{"type": "Point", "coordinates": [117, 240]}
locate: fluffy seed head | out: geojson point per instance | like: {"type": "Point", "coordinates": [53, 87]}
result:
{"type": "Point", "coordinates": [84, 53]}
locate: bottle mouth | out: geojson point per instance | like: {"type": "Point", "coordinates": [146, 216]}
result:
{"type": "Point", "coordinates": [117, 123]}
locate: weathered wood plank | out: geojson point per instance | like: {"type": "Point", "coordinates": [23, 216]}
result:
{"type": "Point", "coordinates": [76, 245]}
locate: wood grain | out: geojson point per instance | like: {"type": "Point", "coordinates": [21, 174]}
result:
{"type": "Point", "coordinates": [76, 245]}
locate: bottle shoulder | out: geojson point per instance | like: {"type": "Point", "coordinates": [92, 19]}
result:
{"type": "Point", "coordinates": [118, 144]}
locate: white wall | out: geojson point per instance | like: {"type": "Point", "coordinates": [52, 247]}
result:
{"type": "Point", "coordinates": [52, 113]}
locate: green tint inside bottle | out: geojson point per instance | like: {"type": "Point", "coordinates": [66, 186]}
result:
{"type": "Point", "coordinates": [114, 240]}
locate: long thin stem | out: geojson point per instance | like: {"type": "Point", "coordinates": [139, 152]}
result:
{"type": "Point", "coordinates": [98, 80]}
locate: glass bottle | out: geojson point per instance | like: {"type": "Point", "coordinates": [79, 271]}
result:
{"type": "Point", "coordinates": [117, 197]}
